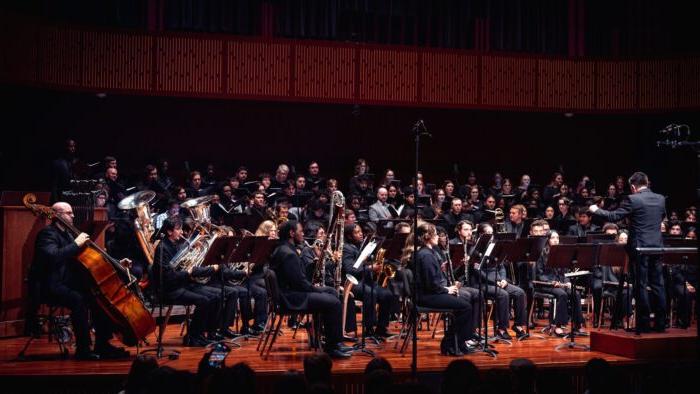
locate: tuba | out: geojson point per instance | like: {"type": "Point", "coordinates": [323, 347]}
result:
{"type": "Point", "coordinates": [143, 224]}
{"type": "Point", "coordinates": [199, 209]}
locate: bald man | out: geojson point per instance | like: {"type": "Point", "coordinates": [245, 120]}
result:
{"type": "Point", "coordinates": [60, 281]}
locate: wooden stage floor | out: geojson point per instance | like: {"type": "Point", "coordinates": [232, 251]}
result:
{"type": "Point", "coordinates": [288, 354]}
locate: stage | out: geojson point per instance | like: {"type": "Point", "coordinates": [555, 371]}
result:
{"type": "Point", "coordinates": [44, 368]}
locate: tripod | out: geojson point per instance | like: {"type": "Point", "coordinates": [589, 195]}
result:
{"type": "Point", "coordinates": [159, 350]}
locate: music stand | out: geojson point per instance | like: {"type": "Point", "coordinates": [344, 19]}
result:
{"type": "Point", "coordinates": [528, 250]}
{"type": "Point", "coordinates": [495, 253]}
{"type": "Point", "coordinates": [572, 257]}
{"type": "Point", "coordinates": [614, 255]}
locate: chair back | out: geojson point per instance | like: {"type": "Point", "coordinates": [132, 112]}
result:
{"type": "Point", "coordinates": [273, 289]}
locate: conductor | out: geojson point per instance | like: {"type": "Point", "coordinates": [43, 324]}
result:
{"type": "Point", "coordinates": [645, 210]}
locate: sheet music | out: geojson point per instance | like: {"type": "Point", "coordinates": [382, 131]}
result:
{"type": "Point", "coordinates": [365, 253]}
{"type": "Point", "coordinates": [489, 249]}
{"type": "Point", "coordinates": [398, 211]}
{"type": "Point", "coordinates": [576, 273]}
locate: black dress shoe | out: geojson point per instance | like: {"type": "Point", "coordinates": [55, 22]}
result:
{"type": "Point", "coordinates": [520, 333]}
{"type": "Point", "coordinates": [109, 352]}
{"type": "Point", "coordinates": [383, 333]}
{"type": "Point", "coordinates": [344, 349]}
{"type": "Point", "coordinates": [87, 356]}
{"type": "Point", "coordinates": [349, 339]}
{"type": "Point", "coordinates": [503, 334]}
{"type": "Point", "coordinates": [215, 337]}
{"type": "Point", "coordinates": [447, 348]}
{"type": "Point", "coordinates": [227, 333]}
{"type": "Point", "coordinates": [195, 341]}
{"type": "Point", "coordinates": [337, 353]}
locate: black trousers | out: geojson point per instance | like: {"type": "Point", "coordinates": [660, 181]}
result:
{"type": "Point", "coordinates": [561, 314]}
{"type": "Point", "coordinates": [598, 290]}
{"type": "Point", "coordinates": [81, 303]}
{"type": "Point", "coordinates": [232, 295]}
{"type": "Point", "coordinates": [258, 293]}
{"type": "Point", "coordinates": [502, 297]}
{"type": "Point", "coordinates": [329, 306]}
{"type": "Point", "coordinates": [205, 302]}
{"type": "Point", "coordinates": [684, 300]}
{"type": "Point", "coordinates": [371, 295]}
{"type": "Point", "coordinates": [476, 302]}
{"type": "Point", "coordinates": [650, 273]}
{"type": "Point", "coordinates": [463, 325]}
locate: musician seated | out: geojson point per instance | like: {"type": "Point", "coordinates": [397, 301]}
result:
{"type": "Point", "coordinates": [604, 280]}
{"type": "Point", "coordinates": [497, 287]}
{"type": "Point", "coordinates": [560, 287]}
{"type": "Point", "coordinates": [61, 281]}
{"type": "Point", "coordinates": [434, 292]}
{"type": "Point", "coordinates": [684, 284]}
{"type": "Point", "coordinates": [367, 289]}
{"type": "Point", "coordinates": [299, 293]}
{"type": "Point", "coordinates": [179, 287]}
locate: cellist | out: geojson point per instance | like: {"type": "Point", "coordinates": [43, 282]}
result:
{"type": "Point", "coordinates": [57, 275]}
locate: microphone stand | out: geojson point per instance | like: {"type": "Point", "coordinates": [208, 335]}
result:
{"type": "Point", "coordinates": [159, 350]}
{"type": "Point", "coordinates": [418, 130]}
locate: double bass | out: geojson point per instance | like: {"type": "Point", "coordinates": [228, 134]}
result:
{"type": "Point", "coordinates": [115, 290]}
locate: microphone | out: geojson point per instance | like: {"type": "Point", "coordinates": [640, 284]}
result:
{"type": "Point", "coordinates": [419, 128]}
{"type": "Point", "coordinates": [669, 128]}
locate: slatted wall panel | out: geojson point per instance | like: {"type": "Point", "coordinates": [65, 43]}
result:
{"type": "Point", "coordinates": [18, 62]}
{"type": "Point", "coordinates": [117, 60]}
{"type": "Point", "coordinates": [616, 85]}
{"type": "Point", "coordinates": [658, 84]}
{"type": "Point", "coordinates": [189, 65]}
{"type": "Point", "coordinates": [258, 69]}
{"type": "Point", "coordinates": [324, 72]}
{"type": "Point", "coordinates": [509, 81]}
{"type": "Point", "coordinates": [450, 78]}
{"type": "Point", "coordinates": [566, 84]}
{"type": "Point", "coordinates": [388, 76]}
{"type": "Point", "coordinates": [689, 94]}
{"type": "Point", "coordinates": [59, 50]}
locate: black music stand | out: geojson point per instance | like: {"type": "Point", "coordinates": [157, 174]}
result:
{"type": "Point", "coordinates": [572, 257]}
{"type": "Point", "coordinates": [492, 256]}
{"type": "Point", "coordinates": [527, 249]}
{"type": "Point", "coordinates": [614, 255]}
{"type": "Point", "coordinates": [250, 249]}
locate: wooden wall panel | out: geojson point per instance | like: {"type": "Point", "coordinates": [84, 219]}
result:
{"type": "Point", "coordinates": [324, 72]}
{"type": "Point", "coordinates": [200, 65]}
{"type": "Point", "coordinates": [689, 83]}
{"type": "Point", "coordinates": [117, 60]}
{"type": "Point", "coordinates": [509, 81]}
{"type": "Point", "coordinates": [566, 84]}
{"type": "Point", "coordinates": [258, 69]}
{"type": "Point", "coordinates": [658, 84]}
{"type": "Point", "coordinates": [450, 78]}
{"type": "Point", "coordinates": [616, 85]}
{"type": "Point", "coordinates": [388, 75]}
{"type": "Point", "coordinates": [189, 65]}
{"type": "Point", "coordinates": [18, 61]}
{"type": "Point", "coordinates": [59, 50]}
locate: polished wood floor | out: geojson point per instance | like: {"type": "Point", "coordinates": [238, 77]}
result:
{"type": "Point", "coordinates": [288, 353]}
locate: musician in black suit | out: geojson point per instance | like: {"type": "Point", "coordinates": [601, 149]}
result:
{"type": "Point", "coordinates": [179, 287]}
{"type": "Point", "coordinates": [299, 293]}
{"type": "Point", "coordinates": [367, 289]}
{"type": "Point", "coordinates": [435, 292]}
{"type": "Point", "coordinates": [516, 220]}
{"type": "Point", "coordinates": [645, 210]}
{"type": "Point", "coordinates": [56, 278]}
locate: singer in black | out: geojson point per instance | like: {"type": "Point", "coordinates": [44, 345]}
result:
{"type": "Point", "coordinates": [367, 289]}
{"type": "Point", "coordinates": [434, 292]}
{"type": "Point", "coordinates": [299, 293]}
{"type": "Point", "coordinates": [179, 287]}
{"type": "Point", "coordinates": [645, 210]}
{"type": "Point", "coordinates": [55, 278]}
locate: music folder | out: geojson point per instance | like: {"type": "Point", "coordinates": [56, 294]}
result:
{"type": "Point", "coordinates": [219, 250]}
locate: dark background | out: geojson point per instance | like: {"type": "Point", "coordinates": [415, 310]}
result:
{"type": "Point", "coordinates": [229, 133]}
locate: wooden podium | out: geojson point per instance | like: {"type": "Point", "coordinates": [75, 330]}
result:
{"type": "Point", "coordinates": [18, 229]}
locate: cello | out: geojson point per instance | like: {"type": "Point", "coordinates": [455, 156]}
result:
{"type": "Point", "coordinates": [114, 288]}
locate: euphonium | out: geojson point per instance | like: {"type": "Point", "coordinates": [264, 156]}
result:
{"type": "Point", "coordinates": [143, 224]}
